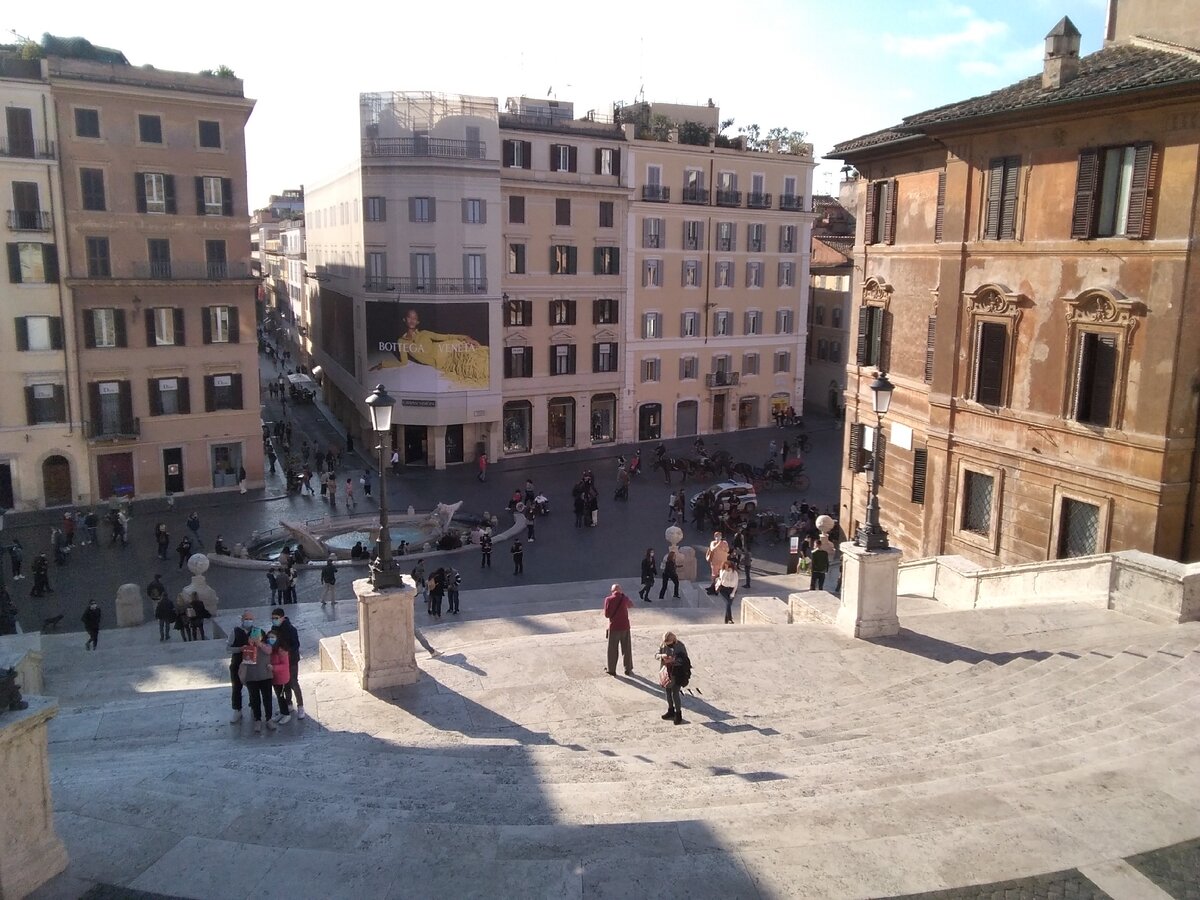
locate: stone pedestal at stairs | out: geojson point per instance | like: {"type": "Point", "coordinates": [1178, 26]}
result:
{"type": "Point", "coordinates": [130, 611]}
{"type": "Point", "coordinates": [385, 634]}
{"type": "Point", "coordinates": [30, 851]}
{"type": "Point", "coordinates": [869, 578]}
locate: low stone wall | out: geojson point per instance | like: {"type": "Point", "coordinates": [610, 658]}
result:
{"type": "Point", "coordinates": [1131, 582]}
{"type": "Point", "coordinates": [765, 611]}
{"type": "Point", "coordinates": [23, 652]}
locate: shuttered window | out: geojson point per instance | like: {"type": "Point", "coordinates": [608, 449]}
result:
{"type": "Point", "coordinates": [930, 346]}
{"type": "Point", "coordinates": [920, 464]}
{"type": "Point", "coordinates": [881, 212]}
{"type": "Point", "coordinates": [517, 154]}
{"type": "Point", "coordinates": [855, 456]}
{"type": "Point", "coordinates": [518, 313]}
{"type": "Point", "coordinates": [562, 211]}
{"type": "Point", "coordinates": [991, 342]}
{"type": "Point", "coordinates": [518, 362]}
{"type": "Point", "coordinates": [1001, 218]}
{"type": "Point", "coordinates": [940, 217]}
{"type": "Point", "coordinates": [1114, 192]}
{"type": "Point", "coordinates": [604, 357]}
{"type": "Point", "coordinates": [1095, 378]}
{"type": "Point", "coordinates": [874, 336]}
{"type": "Point", "coordinates": [516, 210]}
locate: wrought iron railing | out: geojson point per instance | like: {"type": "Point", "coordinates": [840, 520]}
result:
{"type": "Point", "coordinates": [30, 220]}
{"type": "Point", "coordinates": [729, 198]}
{"type": "Point", "coordinates": [695, 195]}
{"type": "Point", "coordinates": [426, 285]}
{"type": "Point", "coordinates": [27, 148]}
{"type": "Point", "coordinates": [191, 271]}
{"type": "Point", "coordinates": [125, 430]}
{"type": "Point", "coordinates": [656, 193]}
{"type": "Point", "coordinates": [758, 201]}
{"type": "Point", "coordinates": [791, 202]}
{"type": "Point", "coordinates": [442, 148]}
{"type": "Point", "coordinates": [722, 379]}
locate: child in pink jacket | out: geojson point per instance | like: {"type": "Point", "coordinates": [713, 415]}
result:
{"type": "Point", "coordinates": [281, 674]}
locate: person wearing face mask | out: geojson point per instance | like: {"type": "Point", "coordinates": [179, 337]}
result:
{"type": "Point", "coordinates": [237, 640]}
{"type": "Point", "coordinates": [281, 674]}
{"type": "Point", "coordinates": [255, 673]}
{"type": "Point", "coordinates": [289, 640]}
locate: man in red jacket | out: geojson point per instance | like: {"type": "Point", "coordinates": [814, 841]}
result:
{"type": "Point", "coordinates": [616, 610]}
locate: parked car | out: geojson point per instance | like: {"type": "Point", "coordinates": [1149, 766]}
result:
{"type": "Point", "coordinates": [747, 499]}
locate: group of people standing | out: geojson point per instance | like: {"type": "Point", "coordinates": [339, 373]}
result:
{"type": "Point", "coordinates": [675, 666]}
{"type": "Point", "coordinates": [444, 582]}
{"type": "Point", "coordinates": [186, 614]}
{"type": "Point", "coordinates": [266, 663]}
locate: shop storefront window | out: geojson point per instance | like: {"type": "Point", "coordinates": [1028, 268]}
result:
{"type": "Point", "coordinates": [518, 426]}
{"type": "Point", "coordinates": [226, 463]}
{"type": "Point", "coordinates": [650, 422]}
{"type": "Point", "coordinates": [604, 418]}
{"type": "Point", "coordinates": [560, 423]}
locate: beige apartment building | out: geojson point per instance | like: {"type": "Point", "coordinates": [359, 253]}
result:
{"type": "Point", "coordinates": [830, 273]}
{"type": "Point", "coordinates": [43, 456]}
{"type": "Point", "coordinates": [718, 263]}
{"type": "Point", "coordinates": [153, 172]}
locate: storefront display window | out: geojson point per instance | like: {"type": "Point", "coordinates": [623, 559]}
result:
{"type": "Point", "coordinates": [226, 464]}
{"type": "Point", "coordinates": [560, 423]}
{"type": "Point", "coordinates": [518, 426]}
{"type": "Point", "coordinates": [604, 418]}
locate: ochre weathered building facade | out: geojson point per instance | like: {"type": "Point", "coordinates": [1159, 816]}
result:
{"type": "Point", "coordinates": [1025, 273]}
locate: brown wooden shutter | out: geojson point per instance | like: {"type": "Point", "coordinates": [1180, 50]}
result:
{"type": "Point", "coordinates": [150, 317]}
{"type": "Point", "coordinates": [989, 363]}
{"type": "Point", "coordinates": [180, 340]}
{"type": "Point", "coordinates": [595, 357]}
{"type": "Point", "coordinates": [889, 227]}
{"type": "Point", "coordinates": [155, 396]}
{"type": "Point", "coordinates": [509, 156]}
{"type": "Point", "coordinates": [22, 328]}
{"type": "Point", "coordinates": [614, 255]}
{"type": "Point", "coordinates": [169, 193]}
{"type": "Point", "coordinates": [119, 321]}
{"type": "Point", "coordinates": [526, 154]}
{"type": "Point", "coordinates": [206, 324]}
{"type": "Point", "coordinates": [14, 263]}
{"type": "Point", "coordinates": [572, 260]}
{"type": "Point", "coordinates": [94, 406]}
{"type": "Point", "coordinates": [89, 329]}
{"type": "Point", "coordinates": [869, 224]}
{"type": "Point", "coordinates": [616, 165]}
{"type": "Point", "coordinates": [1140, 217]}
{"type": "Point", "coordinates": [236, 387]}
{"type": "Point", "coordinates": [995, 189]}
{"type": "Point", "coordinates": [1083, 217]}
{"type": "Point", "coordinates": [227, 196]}
{"type": "Point", "coordinates": [1008, 205]}
{"type": "Point", "coordinates": [30, 406]}
{"type": "Point", "coordinates": [599, 152]}
{"type": "Point", "coordinates": [60, 403]}
{"type": "Point", "coordinates": [883, 358]}
{"type": "Point", "coordinates": [508, 354]}
{"type": "Point", "coordinates": [209, 398]}
{"type": "Point", "coordinates": [554, 157]}
{"type": "Point", "coordinates": [939, 220]}
{"type": "Point", "coordinates": [930, 347]}
{"type": "Point", "coordinates": [235, 331]}
{"type": "Point", "coordinates": [570, 312]}
{"type": "Point", "coordinates": [573, 159]}
{"type": "Point", "coordinates": [571, 359]}
{"type": "Point", "coordinates": [125, 401]}
{"type": "Point", "coordinates": [553, 371]}
{"type": "Point", "coordinates": [864, 330]}
{"type": "Point", "coordinates": [854, 457]}
{"type": "Point", "coordinates": [200, 195]}
{"type": "Point", "coordinates": [184, 396]}
{"type": "Point", "coordinates": [139, 187]}
{"type": "Point", "coordinates": [920, 465]}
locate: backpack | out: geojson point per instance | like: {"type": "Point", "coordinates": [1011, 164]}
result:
{"type": "Point", "coordinates": [681, 671]}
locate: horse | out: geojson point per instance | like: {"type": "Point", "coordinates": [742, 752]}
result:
{"type": "Point", "coordinates": [721, 462]}
{"type": "Point", "coordinates": [669, 464]}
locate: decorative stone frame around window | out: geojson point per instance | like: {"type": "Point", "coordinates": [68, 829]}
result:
{"type": "Point", "coordinates": [992, 303]}
{"type": "Point", "coordinates": [874, 336]}
{"type": "Point", "coordinates": [1062, 493]}
{"type": "Point", "coordinates": [1104, 312]}
{"type": "Point", "coordinates": [989, 542]}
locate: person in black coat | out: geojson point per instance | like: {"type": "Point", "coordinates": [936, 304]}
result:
{"type": "Point", "coordinates": [41, 576]}
{"type": "Point", "coordinates": [649, 573]}
{"type": "Point", "coordinates": [91, 622]}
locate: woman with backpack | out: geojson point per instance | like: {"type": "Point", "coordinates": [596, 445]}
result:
{"type": "Point", "coordinates": [676, 673]}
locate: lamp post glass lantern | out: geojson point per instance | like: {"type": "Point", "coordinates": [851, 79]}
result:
{"type": "Point", "coordinates": [383, 572]}
{"type": "Point", "coordinates": [870, 535]}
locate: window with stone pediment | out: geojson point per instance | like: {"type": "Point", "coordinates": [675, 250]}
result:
{"type": "Point", "coordinates": [994, 314]}
{"type": "Point", "coordinates": [1101, 327]}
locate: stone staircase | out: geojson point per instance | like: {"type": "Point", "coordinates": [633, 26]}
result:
{"type": "Point", "coordinates": [973, 747]}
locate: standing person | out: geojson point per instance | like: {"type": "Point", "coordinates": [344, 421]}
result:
{"type": "Point", "coordinates": [649, 573]}
{"type": "Point", "coordinates": [530, 492]}
{"type": "Point", "coordinates": [273, 582]}
{"type": "Point", "coordinates": [365, 481]}
{"type": "Point", "coordinates": [16, 553]}
{"type": "Point", "coordinates": [396, 463]}
{"type": "Point", "coordinates": [332, 481]}
{"type": "Point", "coordinates": [92, 523]}
{"type": "Point", "coordinates": [184, 549]}
{"type": "Point", "coordinates": [255, 674]}
{"type": "Point", "coordinates": [675, 674]}
{"type": "Point", "coordinates": [772, 449]}
{"type": "Point", "coordinates": [284, 578]}
{"type": "Point", "coordinates": [289, 639]}
{"type": "Point", "coordinates": [437, 592]}
{"type": "Point", "coordinates": [164, 610]}
{"type": "Point", "coordinates": [69, 528]}
{"type": "Point", "coordinates": [616, 610]}
{"type": "Point", "coordinates": [420, 580]}
{"type": "Point", "coordinates": [199, 612]}
{"type": "Point", "coordinates": [680, 506]}
{"type": "Point", "coordinates": [329, 581]}
{"type": "Point", "coordinates": [351, 503]}
{"type": "Point", "coordinates": [193, 524]}
{"type": "Point", "coordinates": [530, 519]}
{"type": "Point", "coordinates": [41, 576]}
{"type": "Point", "coordinates": [518, 557]}
{"type": "Point", "coordinates": [483, 464]}
{"type": "Point", "coordinates": [162, 538]}
{"type": "Point", "coordinates": [745, 559]}
{"type": "Point", "coordinates": [91, 622]}
{"type": "Point", "coordinates": [485, 550]}
{"type": "Point", "coordinates": [670, 572]}
{"type": "Point", "coordinates": [453, 583]}
{"type": "Point", "coordinates": [592, 519]}
{"type": "Point", "coordinates": [580, 508]}
{"type": "Point", "coordinates": [716, 554]}
{"type": "Point", "coordinates": [727, 582]}
{"type": "Point", "coordinates": [818, 562]}
{"type": "Point", "coordinates": [281, 674]}
{"type": "Point", "coordinates": [183, 622]}
{"type": "Point", "coordinates": [237, 640]}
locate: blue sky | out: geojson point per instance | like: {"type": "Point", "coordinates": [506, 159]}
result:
{"type": "Point", "coordinates": [834, 70]}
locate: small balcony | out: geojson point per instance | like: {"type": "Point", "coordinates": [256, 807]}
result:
{"type": "Point", "coordinates": [27, 148]}
{"type": "Point", "coordinates": [656, 193]}
{"type": "Point", "coordinates": [758, 201]}
{"type": "Point", "coordinates": [697, 196]}
{"type": "Point", "coordinates": [426, 285]}
{"type": "Point", "coordinates": [729, 198]}
{"type": "Point", "coordinates": [791, 202]}
{"type": "Point", "coordinates": [722, 379]}
{"type": "Point", "coordinates": [125, 430]}
{"type": "Point", "coordinates": [191, 271]}
{"type": "Point", "coordinates": [30, 220]}
{"type": "Point", "coordinates": [439, 148]}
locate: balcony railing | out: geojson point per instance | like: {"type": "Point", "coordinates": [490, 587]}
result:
{"type": "Point", "coordinates": [191, 271]}
{"type": "Point", "coordinates": [695, 195]}
{"type": "Point", "coordinates": [722, 379]}
{"type": "Point", "coordinates": [442, 148]}
{"type": "Point", "coordinates": [758, 201]}
{"type": "Point", "coordinates": [126, 430]}
{"type": "Point", "coordinates": [729, 198]}
{"type": "Point", "coordinates": [30, 220]}
{"type": "Point", "coordinates": [426, 285]}
{"type": "Point", "coordinates": [29, 148]}
{"type": "Point", "coordinates": [656, 193]}
{"type": "Point", "coordinates": [791, 202]}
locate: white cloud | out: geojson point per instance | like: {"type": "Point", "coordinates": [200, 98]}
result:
{"type": "Point", "coordinates": [1014, 63]}
{"type": "Point", "coordinates": [975, 33]}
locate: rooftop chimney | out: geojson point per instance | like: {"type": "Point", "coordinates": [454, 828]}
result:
{"type": "Point", "coordinates": [1062, 55]}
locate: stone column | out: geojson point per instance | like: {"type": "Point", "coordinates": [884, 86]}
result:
{"type": "Point", "coordinates": [868, 608]}
{"type": "Point", "coordinates": [30, 850]}
{"type": "Point", "coordinates": [385, 635]}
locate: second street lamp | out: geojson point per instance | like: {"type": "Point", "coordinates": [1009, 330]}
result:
{"type": "Point", "coordinates": [870, 535]}
{"type": "Point", "coordinates": [383, 572]}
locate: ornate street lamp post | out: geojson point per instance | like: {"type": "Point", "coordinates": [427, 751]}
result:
{"type": "Point", "coordinates": [870, 535]}
{"type": "Point", "coordinates": [383, 573]}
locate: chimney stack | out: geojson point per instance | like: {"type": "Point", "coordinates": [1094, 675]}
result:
{"type": "Point", "coordinates": [1062, 55]}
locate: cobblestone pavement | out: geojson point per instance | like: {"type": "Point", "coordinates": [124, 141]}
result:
{"type": "Point", "coordinates": [559, 552]}
{"type": "Point", "coordinates": [1175, 869]}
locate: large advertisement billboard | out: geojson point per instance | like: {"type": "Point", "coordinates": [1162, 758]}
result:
{"type": "Point", "coordinates": [429, 347]}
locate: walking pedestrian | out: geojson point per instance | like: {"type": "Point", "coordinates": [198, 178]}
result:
{"type": "Point", "coordinates": [365, 481]}
{"type": "Point", "coordinates": [199, 613]}
{"type": "Point", "coordinates": [453, 583]}
{"type": "Point", "coordinates": [164, 610]}
{"type": "Point", "coordinates": [772, 449]}
{"type": "Point", "coordinates": [518, 557]}
{"type": "Point", "coordinates": [616, 610]}
{"type": "Point", "coordinates": [92, 523]}
{"type": "Point", "coordinates": [649, 573]}
{"type": "Point", "coordinates": [284, 578]}
{"type": "Point", "coordinates": [716, 554]}
{"type": "Point", "coordinates": [530, 520]}
{"type": "Point", "coordinates": [485, 550]}
{"type": "Point", "coordinates": [727, 582]}
{"type": "Point", "coordinates": [420, 581]}
{"type": "Point", "coordinates": [329, 581]}
{"type": "Point", "coordinates": [818, 562]}
{"type": "Point", "coordinates": [680, 507]}
{"type": "Point", "coordinates": [272, 458]}
{"type": "Point", "coordinates": [351, 503]}
{"type": "Point", "coordinates": [238, 639]}
{"type": "Point", "coordinates": [306, 477]}
{"type": "Point", "coordinates": [162, 538]}
{"type": "Point", "coordinates": [183, 622]}
{"type": "Point", "coordinates": [91, 622]}
{"type": "Point", "coordinates": [255, 674]}
{"type": "Point", "coordinates": [273, 583]}
{"type": "Point", "coordinates": [193, 524]}
{"type": "Point", "coordinates": [16, 555]}
{"type": "Point", "coordinates": [670, 572]}
{"type": "Point", "coordinates": [676, 672]}
{"type": "Point", "coordinates": [745, 559]}
{"type": "Point", "coordinates": [41, 576]}
{"type": "Point", "coordinates": [184, 549]}
{"type": "Point", "coordinates": [396, 463]}
{"type": "Point", "coordinates": [580, 508]}
{"type": "Point", "coordinates": [483, 465]}
{"type": "Point", "coordinates": [281, 674]}
{"type": "Point", "coordinates": [289, 639]}
{"type": "Point", "coordinates": [332, 481]}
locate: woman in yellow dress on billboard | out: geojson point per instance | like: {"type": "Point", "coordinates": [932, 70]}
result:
{"type": "Point", "coordinates": [457, 356]}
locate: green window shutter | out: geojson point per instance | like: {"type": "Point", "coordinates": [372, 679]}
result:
{"type": "Point", "coordinates": [235, 333]}
{"type": "Point", "coordinates": [1087, 177]}
{"type": "Point", "coordinates": [206, 324]}
{"type": "Point", "coordinates": [155, 396]}
{"type": "Point", "coordinates": [30, 406]}
{"type": "Point", "coordinates": [180, 340]}
{"type": "Point", "coordinates": [200, 195]}
{"type": "Point", "coordinates": [14, 263]}
{"type": "Point", "coordinates": [50, 263]}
